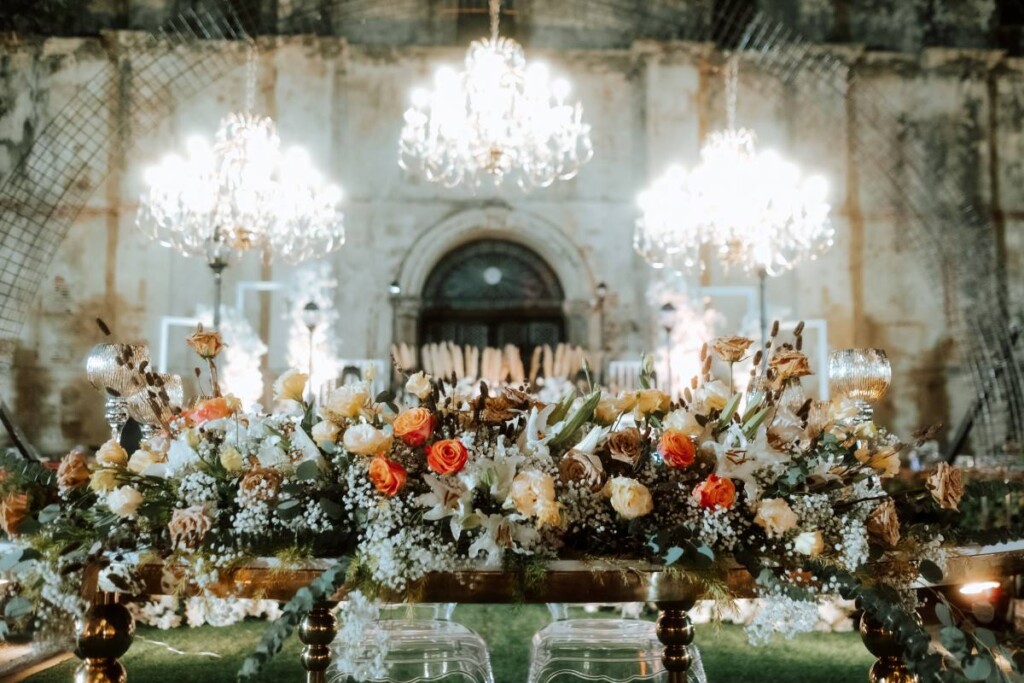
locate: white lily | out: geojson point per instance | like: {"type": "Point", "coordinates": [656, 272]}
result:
{"type": "Point", "coordinates": [589, 443]}
{"type": "Point", "coordinates": [448, 499]}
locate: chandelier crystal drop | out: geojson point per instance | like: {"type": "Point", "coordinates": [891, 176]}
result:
{"type": "Point", "coordinates": [754, 207]}
{"type": "Point", "coordinates": [498, 119]}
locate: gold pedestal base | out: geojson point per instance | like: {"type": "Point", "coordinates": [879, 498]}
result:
{"type": "Point", "coordinates": [317, 632]}
{"type": "Point", "coordinates": [105, 632]}
{"type": "Point", "coordinates": [675, 631]}
{"type": "Point", "coordinates": [880, 642]}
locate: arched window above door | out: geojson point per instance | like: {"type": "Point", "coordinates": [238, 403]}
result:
{"type": "Point", "coordinates": [491, 293]}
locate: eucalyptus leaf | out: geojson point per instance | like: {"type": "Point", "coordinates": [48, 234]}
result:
{"type": "Point", "coordinates": [17, 607]}
{"type": "Point", "coordinates": [672, 555]}
{"type": "Point", "coordinates": [985, 637]}
{"type": "Point", "coordinates": [978, 668]}
{"type": "Point", "coordinates": [943, 614]}
{"type": "Point", "coordinates": [307, 470]}
{"type": "Point", "coordinates": [331, 509]}
{"type": "Point", "coordinates": [10, 559]}
{"type": "Point", "coordinates": [953, 639]}
{"type": "Point", "coordinates": [49, 513]}
{"type": "Point", "coordinates": [930, 571]}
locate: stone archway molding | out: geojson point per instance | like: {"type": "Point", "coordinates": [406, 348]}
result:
{"type": "Point", "coordinates": [536, 233]}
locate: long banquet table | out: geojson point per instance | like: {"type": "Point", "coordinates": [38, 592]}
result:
{"type": "Point", "coordinates": [105, 633]}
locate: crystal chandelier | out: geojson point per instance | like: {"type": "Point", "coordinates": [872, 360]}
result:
{"type": "Point", "coordinates": [497, 119]}
{"type": "Point", "coordinates": [753, 207]}
{"type": "Point", "coordinates": [239, 194]}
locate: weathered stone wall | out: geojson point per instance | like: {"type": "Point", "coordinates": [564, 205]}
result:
{"type": "Point", "coordinates": [649, 105]}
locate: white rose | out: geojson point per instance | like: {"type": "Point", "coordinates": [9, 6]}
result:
{"type": "Point", "coordinates": [629, 498]}
{"type": "Point", "coordinates": [419, 385]}
{"type": "Point", "coordinates": [124, 501]}
{"type": "Point", "coordinates": [346, 402]}
{"type": "Point", "coordinates": [683, 421]}
{"type": "Point", "coordinates": [809, 543]}
{"type": "Point", "coordinates": [325, 432]}
{"type": "Point", "coordinates": [272, 455]}
{"type": "Point", "coordinates": [290, 386]}
{"type": "Point", "coordinates": [365, 439]}
{"type": "Point", "coordinates": [775, 516]}
{"type": "Point", "coordinates": [533, 495]}
{"type": "Point", "coordinates": [713, 395]}
{"type": "Point", "coordinates": [111, 454]}
{"type": "Point", "coordinates": [142, 459]}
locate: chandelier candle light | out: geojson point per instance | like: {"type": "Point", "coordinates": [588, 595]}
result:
{"type": "Point", "coordinates": [497, 119]}
{"type": "Point", "coordinates": [754, 207]}
{"type": "Point", "coordinates": [241, 193]}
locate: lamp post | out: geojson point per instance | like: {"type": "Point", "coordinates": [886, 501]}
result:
{"type": "Point", "coordinates": [667, 320]}
{"type": "Point", "coordinates": [601, 294]}
{"type": "Point", "coordinates": [394, 292]}
{"type": "Point", "coordinates": [311, 318]}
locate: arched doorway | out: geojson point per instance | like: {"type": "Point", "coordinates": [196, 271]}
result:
{"type": "Point", "coordinates": [493, 292]}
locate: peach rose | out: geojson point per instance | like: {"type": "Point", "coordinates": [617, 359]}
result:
{"type": "Point", "coordinates": [789, 364]}
{"type": "Point", "coordinates": [188, 527]}
{"type": "Point", "coordinates": [414, 426]}
{"type": "Point", "coordinates": [731, 349]}
{"type": "Point", "coordinates": [290, 386]}
{"type": "Point", "coordinates": [533, 495]}
{"type": "Point", "coordinates": [886, 462]}
{"type": "Point", "coordinates": [883, 524]}
{"type": "Point", "coordinates": [716, 492]}
{"type": "Point", "coordinates": [387, 476]}
{"type": "Point", "coordinates": [626, 446]}
{"type": "Point", "coordinates": [73, 472]}
{"type": "Point", "coordinates": [447, 457]}
{"type": "Point", "coordinates": [365, 439]}
{"type": "Point", "coordinates": [142, 459]}
{"type": "Point", "coordinates": [946, 486]}
{"type": "Point", "coordinates": [676, 449]}
{"type": "Point", "coordinates": [111, 454]}
{"type": "Point", "coordinates": [206, 344]}
{"type": "Point", "coordinates": [583, 469]}
{"type": "Point", "coordinates": [629, 498]}
{"type": "Point", "coordinates": [213, 409]}
{"type": "Point", "coordinates": [13, 511]}
{"type": "Point", "coordinates": [775, 516]}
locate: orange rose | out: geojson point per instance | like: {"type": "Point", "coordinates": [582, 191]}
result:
{"type": "Point", "coordinates": [447, 457]}
{"type": "Point", "coordinates": [213, 409]}
{"type": "Point", "coordinates": [716, 492]}
{"type": "Point", "coordinates": [676, 449]}
{"type": "Point", "coordinates": [414, 426]}
{"type": "Point", "coordinates": [387, 476]}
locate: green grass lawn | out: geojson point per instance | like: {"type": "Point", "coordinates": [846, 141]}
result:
{"type": "Point", "coordinates": [812, 658]}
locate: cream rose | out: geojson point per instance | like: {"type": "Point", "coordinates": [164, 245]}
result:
{"type": "Point", "coordinates": [629, 498]}
{"type": "Point", "coordinates": [775, 516]}
{"type": "Point", "coordinates": [124, 501]}
{"type": "Point", "coordinates": [683, 421]}
{"type": "Point", "coordinates": [111, 454]}
{"type": "Point", "coordinates": [713, 395]}
{"type": "Point", "coordinates": [365, 439]}
{"type": "Point", "coordinates": [103, 479]}
{"type": "Point", "coordinates": [231, 459]}
{"type": "Point", "coordinates": [141, 459]}
{"type": "Point", "coordinates": [346, 402]}
{"type": "Point", "coordinates": [290, 386]}
{"type": "Point", "coordinates": [809, 543]}
{"type": "Point", "coordinates": [325, 432]}
{"type": "Point", "coordinates": [533, 495]}
{"type": "Point", "coordinates": [419, 385]}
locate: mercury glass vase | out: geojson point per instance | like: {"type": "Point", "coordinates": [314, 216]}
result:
{"type": "Point", "coordinates": [860, 375]}
{"type": "Point", "coordinates": [116, 371]}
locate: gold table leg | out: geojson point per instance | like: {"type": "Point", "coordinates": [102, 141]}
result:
{"type": "Point", "coordinates": [317, 632]}
{"type": "Point", "coordinates": [104, 633]}
{"type": "Point", "coordinates": [889, 666]}
{"type": "Point", "coordinates": [675, 631]}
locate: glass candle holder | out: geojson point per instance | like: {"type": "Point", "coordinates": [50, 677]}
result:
{"type": "Point", "coordinates": [114, 370]}
{"type": "Point", "coordinates": [153, 405]}
{"type": "Point", "coordinates": [861, 375]}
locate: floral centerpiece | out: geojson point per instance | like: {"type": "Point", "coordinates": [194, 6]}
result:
{"type": "Point", "coordinates": [789, 488]}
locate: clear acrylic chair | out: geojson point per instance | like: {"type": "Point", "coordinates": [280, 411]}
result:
{"type": "Point", "coordinates": [601, 650]}
{"type": "Point", "coordinates": [423, 645]}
